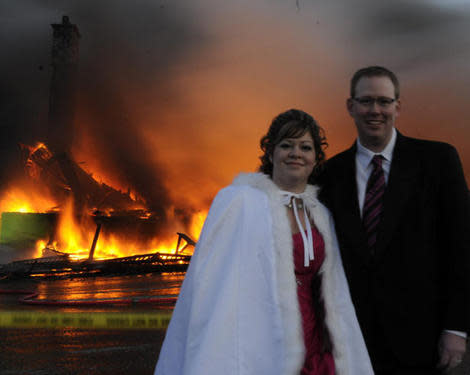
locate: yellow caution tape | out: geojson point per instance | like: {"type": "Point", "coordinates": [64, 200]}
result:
{"type": "Point", "coordinates": [99, 320]}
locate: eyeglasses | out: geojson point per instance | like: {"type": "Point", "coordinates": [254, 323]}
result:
{"type": "Point", "coordinates": [367, 101]}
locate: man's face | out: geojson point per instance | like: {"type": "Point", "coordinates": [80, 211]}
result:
{"type": "Point", "coordinates": [374, 109]}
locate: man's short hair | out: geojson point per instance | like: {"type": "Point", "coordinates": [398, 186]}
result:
{"type": "Point", "coordinates": [374, 71]}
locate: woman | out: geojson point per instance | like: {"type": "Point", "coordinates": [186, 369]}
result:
{"type": "Point", "coordinates": [248, 303]}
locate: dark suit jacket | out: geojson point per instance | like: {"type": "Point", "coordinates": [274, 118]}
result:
{"type": "Point", "coordinates": [417, 282]}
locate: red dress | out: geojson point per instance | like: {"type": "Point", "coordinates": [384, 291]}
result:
{"type": "Point", "coordinates": [317, 361]}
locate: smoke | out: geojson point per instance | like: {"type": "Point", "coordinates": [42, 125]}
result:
{"type": "Point", "coordinates": [125, 67]}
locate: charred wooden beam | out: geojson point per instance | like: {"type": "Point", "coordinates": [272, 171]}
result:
{"type": "Point", "coordinates": [185, 237]}
{"type": "Point", "coordinates": [95, 240]}
{"type": "Point", "coordinates": [62, 266]}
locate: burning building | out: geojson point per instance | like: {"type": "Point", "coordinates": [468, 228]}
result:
{"type": "Point", "coordinates": [59, 211]}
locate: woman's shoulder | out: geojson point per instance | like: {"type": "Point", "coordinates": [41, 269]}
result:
{"type": "Point", "coordinates": [255, 185]}
{"type": "Point", "coordinates": [311, 191]}
{"type": "Point", "coordinates": [259, 181]}
{"type": "Point", "coordinates": [310, 196]}
{"type": "Point", "coordinates": [244, 190]}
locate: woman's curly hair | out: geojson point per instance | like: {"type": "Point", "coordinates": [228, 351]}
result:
{"type": "Point", "coordinates": [293, 123]}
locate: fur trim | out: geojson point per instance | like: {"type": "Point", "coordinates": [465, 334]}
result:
{"type": "Point", "coordinates": [283, 246]}
{"type": "Point", "coordinates": [286, 287]}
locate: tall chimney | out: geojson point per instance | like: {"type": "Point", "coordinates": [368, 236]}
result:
{"type": "Point", "coordinates": [62, 103]}
{"type": "Point", "coordinates": [63, 85]}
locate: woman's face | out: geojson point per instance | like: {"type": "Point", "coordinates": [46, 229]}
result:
{"type": "Point", "coordinates": [293, 161]}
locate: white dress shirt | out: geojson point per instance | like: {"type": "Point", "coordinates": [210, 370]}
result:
{"type": "Point", "coordinates": [364, 168]}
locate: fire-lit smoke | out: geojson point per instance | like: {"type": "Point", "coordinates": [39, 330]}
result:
{"type": "Point", "coordinates": [189, 100]}
{"type": "Point", "coordinates": [174, 96]}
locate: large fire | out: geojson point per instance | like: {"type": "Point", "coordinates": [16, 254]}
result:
{"type": "Point", "coordinates": [74, 235]}
{"type": "Point", "coordinates": [76, 239]}
{"type": "Point", "coordinates": [17, 199]}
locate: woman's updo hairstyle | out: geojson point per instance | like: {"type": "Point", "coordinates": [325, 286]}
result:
{"type": "Point", "coordinates": [293, 123]}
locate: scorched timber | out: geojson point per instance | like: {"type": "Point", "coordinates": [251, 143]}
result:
{"type": "Point", "coordinates": [61, 266]}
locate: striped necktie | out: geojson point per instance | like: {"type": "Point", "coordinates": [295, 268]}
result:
{"type": "Point", "coordinates": [373, 203]}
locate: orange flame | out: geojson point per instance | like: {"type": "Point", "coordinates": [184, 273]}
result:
{"type": "Point", "coordinates": [75, 236]}
{"type": "Point", "coordinates": [25, 200]}
{"type": "Point", "coordinates": [197, 222]}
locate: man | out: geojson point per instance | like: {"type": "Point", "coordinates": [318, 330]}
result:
{"type": "Point", "coordinates": [401, 219]}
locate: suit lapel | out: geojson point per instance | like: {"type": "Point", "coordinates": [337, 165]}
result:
{"type": "Point", "coordinates": [401, 179]}
{"type": "Point", "coordinates": [349, 215]}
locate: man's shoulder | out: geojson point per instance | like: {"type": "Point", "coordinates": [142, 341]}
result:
{"type": "Point", "coordinates": [431, 157]}
{"type": "Point", "coordinates": [343, 157]}
{"type": "Point", "coordinates": [426, 147]}
{"type": "Point", "coordinates": [336, 167]}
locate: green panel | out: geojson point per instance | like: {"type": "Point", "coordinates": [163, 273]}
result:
{"type": "Point", "coordinates": [19, 227]}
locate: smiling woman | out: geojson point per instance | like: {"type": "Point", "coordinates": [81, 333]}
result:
{"type": "Point", "coordinates": [295, 136]}
{"type": "Point", "coordinates": [293, 160]}
{"type": "Point", "coordinates": [265, 292]}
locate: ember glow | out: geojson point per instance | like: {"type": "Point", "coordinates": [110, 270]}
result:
{"type": "Point", "coordinates": [17, 199]}
{"type": "Point", "coordinates": [74, 233]}
{"type": "Point", "coordinates": [24, 195]}
{"type": "Point", "coordinates": [76, 240]}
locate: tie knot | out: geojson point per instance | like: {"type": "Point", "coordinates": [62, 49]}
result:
{"type": "Point", "coordinates": [377, 161]}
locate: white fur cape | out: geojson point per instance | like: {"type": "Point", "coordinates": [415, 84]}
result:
{"type": "Point", "coordinates": [238, 313]}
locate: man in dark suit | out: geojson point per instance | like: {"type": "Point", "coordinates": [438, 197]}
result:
{"type": "Point", "coordinates": [401, 211]}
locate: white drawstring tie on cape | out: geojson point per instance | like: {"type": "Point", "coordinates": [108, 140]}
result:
{"type": "Point", "coordinates": [289, 198]}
